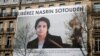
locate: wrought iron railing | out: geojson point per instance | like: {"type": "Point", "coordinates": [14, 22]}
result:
{"type": "Point", "coordinates": [8, 14]}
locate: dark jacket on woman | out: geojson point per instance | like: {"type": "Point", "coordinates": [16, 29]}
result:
{"type": "Point", "coordinates": [51, 41]}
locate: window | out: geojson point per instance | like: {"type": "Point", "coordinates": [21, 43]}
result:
{"type": "Point", "coordinates": [1, 26]}
{"type": "Point", "coordinates": [62, 4]}
{"type": "Point", "coordinates": [11, 24]}
{"type": "Point", "coordinates": [8, 44]}
{"type": "Point", "coordinates": [96, 7]}
{"type": "Point", "coordinates": [97, 44]}
{"type": "Point", "coordinates": [5, 1]}
{"type": "Point", "coordinates": [13, 11]}
{"type": "Point", "coordinates": [0, 53]}
{"type": "Point", "coordinates": [0, 12]}
{"type": "Point", "coordinates": [96, 27]}
{"type": "Point", "coordinates": [41, 0]}
{"type": "Point", "coordinates": [77, 3]}
{"type": "Point", "coordinates": [97, 34]}
{"type": "Point", "coordinates": [97, 22]}
{"type": "Point", "coordinates": [7, 54]}
{"type": "Point", "coordinates": [35, 1]}
{"type": "Point", "coordinates": [51, 5]}
{"type": "Point", "coordinates": [29, 0]}
{"type": "Point", "coordinates": [40, 6]}
{"type": "Point", "coordinates": [14, 0]}
{"type": "Point", "coordinates": [10, 27]}
{"type": "Point", "coordinates": [27, 7]}
{"type": "Point", "coordinates": [0, 41]}
{"type": "Point", "coordinates": [3, 12]}
{"type": "Point", "coordinates": [47, 0]}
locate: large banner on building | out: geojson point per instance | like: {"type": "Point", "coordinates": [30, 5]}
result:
{"type": "Point", "coordinates": [52, 31]}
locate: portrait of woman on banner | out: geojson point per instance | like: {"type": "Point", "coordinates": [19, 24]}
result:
{"type": "Point", "coordinates": [44, 38]}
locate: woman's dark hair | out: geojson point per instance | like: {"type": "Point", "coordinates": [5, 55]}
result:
{"type": "Point", "coordinates": [43, 19]}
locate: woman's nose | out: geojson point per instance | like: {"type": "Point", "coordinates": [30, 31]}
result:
{"type": "Point", "coordinates": [41, 28]}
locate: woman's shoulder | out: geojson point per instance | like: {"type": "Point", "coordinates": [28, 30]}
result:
{"type": "Point", "coordinates": [54, 37]}
{"type": "Point", "coordinates": [32, 44]}
{"type": "Point", "coordinates": [56, 40]}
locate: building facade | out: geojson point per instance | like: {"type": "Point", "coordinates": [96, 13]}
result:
{"type": "Point", "coordinates": [8, 17]}
{"type": "Point", "coordinates": [7, 26]}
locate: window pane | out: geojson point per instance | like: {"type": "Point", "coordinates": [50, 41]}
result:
{"type": "Point", "coordinates": [77, 3]}
{"type": "Point", "coordinates": [97, 22]}
{"type": "Point", "coordinates": [29, 0]}
{"type": "Point", "coordinates": [11, 24]}
{"type": "Point", "coordinates": [10, 27]}
{"type": "Point", "coordinates": [8, 45]}
{"type": "Point", "coordinates": [13, 10]}
{"type": "Point", "coordinates": [41, 0]}
{"type": "Point", "coordinates": [0, 41]}
{"type": "Point", "coordinates": [27, 7]}
{"type": "Point", "coordinates": [4, 12]}
{"type": "Point", "coordinates": [7, 54]}
{"type": "Point", "coordinates": [1, 25]}
{"type": "Point", "coordinates": [5, 1]}
{"type": "Point", "coordinates": [62, 4]}
{"type": "Point", "coordinates": [40, 6]}
{"type": "Point", "coordinates": [97, 44]}
{"type": "Point", "coordinates": [97, 7]}
{"type": "Point", "coordinates": [51, 5]}
{"type": "Point", "coordinates": [96, 47]}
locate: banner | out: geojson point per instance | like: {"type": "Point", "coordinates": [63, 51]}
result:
{"type": "Point", "coordinates": [50, 31]}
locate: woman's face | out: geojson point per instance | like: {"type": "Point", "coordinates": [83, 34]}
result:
{"type": "Point", "coordinates": [42, 28]}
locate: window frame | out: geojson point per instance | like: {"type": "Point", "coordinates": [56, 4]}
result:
{"type": "Point", "coordinates": [96, 31]}
{"type": "Point", "coordinates": [7, 40]}
{"type": "Point", "coordinates": [96, 7]}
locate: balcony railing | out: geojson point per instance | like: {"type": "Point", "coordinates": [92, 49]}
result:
{"type": "Point", "coordinates": [96, 31]}
{"type": "Point", "coordinates": [10, 29]}
{"type": "Point", "coordinates": [95, 27]}
{"type": "Point", "coordinates": [8, 14]}
{"type": "Point", "coordinates": [95, 12]}
{"type": "Point", "coordinates": [37, 1]}
{"type": "Point", "coordinates": [14, 14]}
{"type": "Point", "coordinates": [8, 46]}
{"type": "Point", "coordinates": [1, 30]}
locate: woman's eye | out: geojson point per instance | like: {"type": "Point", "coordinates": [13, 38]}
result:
{"type": "Point", "coordinates": [44, 26]}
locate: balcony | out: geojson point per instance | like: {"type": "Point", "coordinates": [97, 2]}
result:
{"type": "Point", "coordinates": [96, 31]}
{"type": "Point", "coordinates": [40, 1]}
{"type": "Point", "coordinates": [95, 12]}
{"type": "Point", "coordinates": [96, 9]}
{"type": "Point", "coordinates": [1, 30]}
{"type": "Point", "coordinates": [10, 29]}
{"type": "Point", "coordinates": [13, 13]}
{"type": "Point", "coordinates": [8, 15]}
{"type": "Point", "coordinates": [8, 46]}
